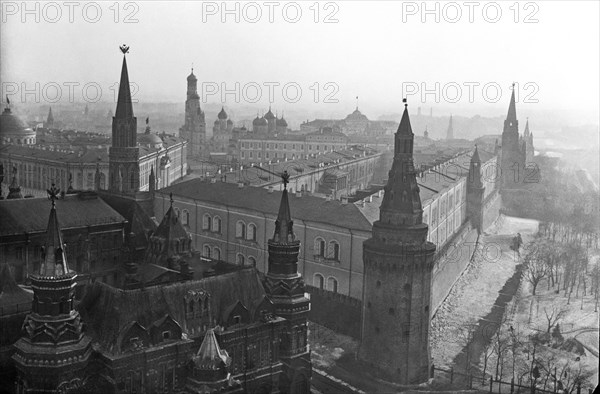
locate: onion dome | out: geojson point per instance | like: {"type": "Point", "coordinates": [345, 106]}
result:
{"type": "Point", "coordinates": [256, 121]}
{"type": "Point", "coordinates": [281, 122]}
{"type": "Point", "coordinates": [229, 121]}
{"type": "Point", "coordinates": [192, 77]}
{"type": "Point", "coordinates": [222, 114]}
{"type": "Point", "coordinates": [263, 122]}
{"type": "Point", "coordinates": [216, 123]}
{"type": "Point", "coordinates": [269, 115]}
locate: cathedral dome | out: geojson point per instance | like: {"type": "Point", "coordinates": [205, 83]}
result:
{"type": "Point", "coordinates": [256, 121]}
{"type": "Point", "coordinates": [262, 122]}
{"type": "Point", "coordinates": [269, 115]}
{"type": "Point", "coordinates": [13, 130]}
{"type": "Point", "coordinates": [151, 140]}
{"type": "Point", "coordinates": [192, 77]}
{"type": "Point", "coordinates": [282, 122]}
{"type": "Point", "coordinates": [222, 114]}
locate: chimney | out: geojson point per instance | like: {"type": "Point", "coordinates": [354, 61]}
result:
{"type": "Point", "coordinates": [270, 189]}
{"type": "Point", "coordinates": [240, 185]}
{"type": "Point", "coordinates": [370, 199]}
{"type": "Point", "coordinates": [362, 203]}
{"type": "Point", "coordinates": [328, 197]}
{"type": "Point", "coordinates": [380, 193]}
{"type": "Point", "coordinates": [344, 200]}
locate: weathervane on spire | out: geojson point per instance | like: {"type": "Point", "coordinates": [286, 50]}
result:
{"type": "Point", "coordinates": [53, 194]}
{"type": "Point", "coordinates": [285, 178]}
{"type": "Point", "coordinates": [124, 48]}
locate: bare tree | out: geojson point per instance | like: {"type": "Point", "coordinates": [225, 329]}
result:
{"type": "Point", "coordinates": [553, 316]}
{"type": "Point", "coordinates": [536, 268]}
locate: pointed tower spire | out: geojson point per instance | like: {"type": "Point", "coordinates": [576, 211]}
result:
{"type": "Point", "coordinates": [398, 264]}
{"type": "Point", "coordinates": [50, 119]}
{"type": "Point", "coordinates": [124, 103]}
{"type": "Point", "coordinates": [512, 108]}
{"type": "Point", "coordinates": [55, 261]}
{"type": "Point", "coordinates": [526, 132]}
{"type": "Point", "coordinates": [124, 173]}
{"type": "Point", "coordinates": [285, 289]}
{"type": "Point", "coordinates": [152, 181]}
{"type": "Point", "coordinates": [283, 225]}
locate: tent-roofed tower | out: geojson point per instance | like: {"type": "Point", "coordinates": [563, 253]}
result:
{"type": "Point", "coordinates": [285, 287]}
{"type": "Point", "coordinates": [512, 159]}
{"type": "Point", "coordinates": [53, 349]}
{"type": "Point", "coordinates": [398, 263]}
{"type": "Point", "coordinates": [124, 172]}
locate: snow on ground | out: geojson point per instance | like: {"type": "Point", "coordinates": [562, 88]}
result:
{"type": "Point", "coordinates": [328, 346]}
{"type": "Point", "coordinates": [580, 322]}
{"type": "Point", "coordinates": [475, 292]}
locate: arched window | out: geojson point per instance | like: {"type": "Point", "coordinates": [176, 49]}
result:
{"type": "Point", "coordinates": [332, 284]}
{"type": "Point", "coordinates": [240, 259]}
{"type": "Point", "coordinates": [185, 218]}
{"type": "Point", "coordinates": [251, 236]}
{"type": "Point", "coordinates": [217, 224]}
{"type": "Point", "coordinates": [318, 281]}
{"type": "Point", "coordinates": [319, 247]}
{"type": "Point", "coordinates": [177, 213]}
{"type": "Point", "coordinates": [334, 251]}
{"type": "Point", "coordinates": [216, 253]}
{"type": "Point", "coordinates": [206, 221]}
{"type": "Point", "coordinates": [240, 229]}
{"type": "Point", "coordinates": [207, 253]}
{"type": "Point", "coordinates": [251, 261]}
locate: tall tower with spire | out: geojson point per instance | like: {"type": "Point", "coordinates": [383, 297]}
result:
{"type": "Point", "coordinates": [511, 160]}
{"type": "Point", "coordinates": [124, 171]}
{"type": "Point", "coordinates": [53, 350]}
{"type": "Point", "coordinates": [529, 149]}
{"type": "Point", "coordinates": [398, 263]}
{"type": "Point", "coordinates": [285, 287]}
{"type": "Point", "coordinates": [475, 191]}
{"type": "Point", "coordinates": [50, 119]}
{"type": "Point", "coordinates": [450, 131]}
{"type": "Point", "coordinates": [194, 128]}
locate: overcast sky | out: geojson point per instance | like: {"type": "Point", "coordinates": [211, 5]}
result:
{"type": "Point", "coordinates": [371, 51]}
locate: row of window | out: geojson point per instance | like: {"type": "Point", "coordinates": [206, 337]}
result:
{"type": "Point", "coordinates": [215, 254]}
{"type": "Point", "coordinates": [319, 282]}
{"type": "Point", "coordinates": [329, 251]}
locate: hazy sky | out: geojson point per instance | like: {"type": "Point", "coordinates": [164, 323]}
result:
{"type": "Point", "coordinates": [371, 51]}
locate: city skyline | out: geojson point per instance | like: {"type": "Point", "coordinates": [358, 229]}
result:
{"type": "Point", "coordinates": [308, 55]}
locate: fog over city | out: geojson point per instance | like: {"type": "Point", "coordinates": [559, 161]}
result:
{"type": "Point", "coordinates": [299, 197]}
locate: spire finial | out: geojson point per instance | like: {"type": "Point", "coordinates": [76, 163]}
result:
{"type": "Point", "coordinates": [357, 103]}
{"type": "Point", "coordinates": [285, 178]}
{"type": "Point", "coordinates": [124, 48]}
{"type": "Point", "coordinates": [192, 67]}
{"type": "Point", "coordinates": [171, 199]}
{"type": "Point", "coordinates": [53, 194]}
{"type": "Point", "coordinates": [405, 102]}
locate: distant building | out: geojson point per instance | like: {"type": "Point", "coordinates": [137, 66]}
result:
{"type": "Point", "coordinates": [354, 123]}
{"type": "Point", "coordinates": [264, 148]}
{"type": "Point", "coordinates": [194, 129]}
{"type": "Point", "coordinates": [450, 131]}
{"type": "Point", "coordinates": [13, 131]}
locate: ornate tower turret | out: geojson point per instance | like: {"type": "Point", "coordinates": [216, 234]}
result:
{"type": "Point", "coordinates": [285, 287]}
{"type": "Point", "coordinates": [124, 171]}
{"type": "Point", "coordinates": [475, 191]}
{"type": "Point", "coordinates": [398, 262]}
{"type": "Point", "coordinates": [53, 349]}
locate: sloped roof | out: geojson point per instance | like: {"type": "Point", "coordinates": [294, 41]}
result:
{"type": "Point", "coordinates": [107, 310]}
{"type": "Point", "coordinates": [310, 208]}
{"type": "Point", "coordinates": [210, 356]}
{"type": "Point", "coordinates": [31, 214]}
{"type": "Point", "coordinates": [11, 294]}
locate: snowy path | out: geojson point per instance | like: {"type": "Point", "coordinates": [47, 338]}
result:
{"type": "Point", "coordinates": [475, 295]}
